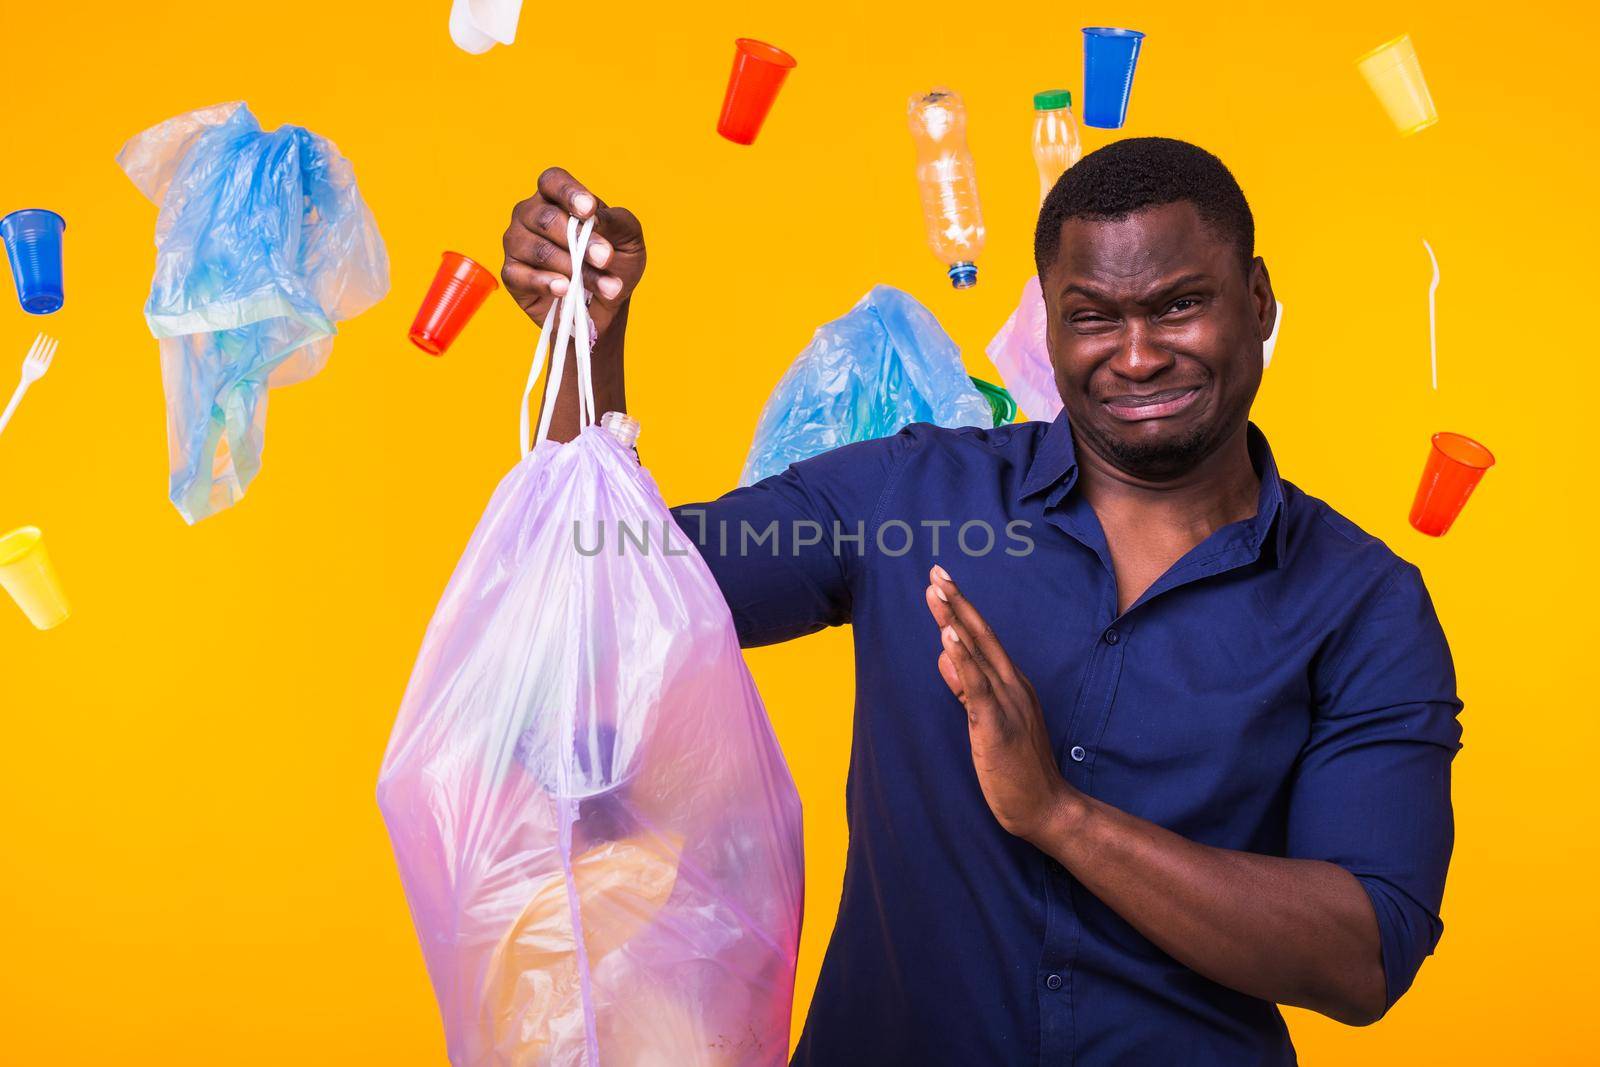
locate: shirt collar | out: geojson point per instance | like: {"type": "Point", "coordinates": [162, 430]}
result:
{"type": "Point", "coordinates": [1056, 459]}
{"type": "Point", "coordinates": [1269, 521]}
{"type": "Point", "coordinates": [1055, 464]}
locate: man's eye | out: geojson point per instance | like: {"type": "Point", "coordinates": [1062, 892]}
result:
{"type": "Point", "coordinates": [1182, 304]}
{"type": "Point", "coordinates": [1088, 319]}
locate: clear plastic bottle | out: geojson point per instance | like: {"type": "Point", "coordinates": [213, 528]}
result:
{"type": "Point", "coordinates": [624, 427]}
{"type": "Point", "coordinates": [1057, 143]}
{"type": "Point", "coordinates": [948, 183]}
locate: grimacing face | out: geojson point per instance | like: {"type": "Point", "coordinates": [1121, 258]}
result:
{"type": "Point", "coordinates": [1155, 332]}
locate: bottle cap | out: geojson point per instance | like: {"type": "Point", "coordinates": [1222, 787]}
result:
{"type": "Point", "coordinates": [1052, 100]}
{"type": "Point", "coordinates": [963, 275]}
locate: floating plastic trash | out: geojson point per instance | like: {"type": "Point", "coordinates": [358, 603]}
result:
{"type": "Point", "coordinates": [759, 70]}
{"type": "Point", "coordinates": [883, 366]}
{"type": "Point", "coordinates": [598, 835]}
{"type": "Point", "coordinates": [1395, 74]}
{"type": "Point", "coordinates": [1000, 402]}
{"type": "Point", "coordinates": [1057, 142]}
{"type": "Point", "coordinates": [28, 575]}
{"type": "Point", "coordinates": [459, 288]}
{"type": "Point", "coordinates": [1455, 466]}
{"type": "Point", "coordinates": [947, 181]}
{"type": "Point", "coordinates": [262, 245]}
{"type": "Point", "coordinates": [33, 245]}
{"type": "Point", "coordinates": [1022, 356]}
{"type": "Point", "coordinates": [478, 25]}
{"type": "Point", "coordinates": [1110, 57]}
{"type": "Point", "coordinates": [34, 365]}
{"type": "Point", "coordinates": [1270, 345]}
{"type": "Point", "coordinates": [1433, 321]}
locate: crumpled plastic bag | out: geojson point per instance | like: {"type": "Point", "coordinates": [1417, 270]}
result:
{"type": "Point", "coordinates": [1021, 353]}
{"type": "Point", "coordinates": [1022, 357]}
{"type": "Point", "coordinates": [263, 243]}
{"type": "Point", "coordinates": [596, 830]}
{"type": "Point", "coordinates": [886, 364]}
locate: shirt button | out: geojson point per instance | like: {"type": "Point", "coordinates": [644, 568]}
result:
{"type": "Point", "coordinates": [1112, 637]}
{"type": "Point", "coordinates": [1053, 982]}
{"type": "Point", "coordinates": [1078, 753]}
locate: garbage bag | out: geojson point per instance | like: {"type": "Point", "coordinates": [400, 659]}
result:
{"type": "Point", "coordinates": [598, 836]}
{"type": "Point", "coordinates": [262, 243]}
{"type": "Point", "coordinates": [1022, 356]}
{"type": "Point", "coordinates": [1021, 352]}
{"type": "Point", "coordinates": [883, 366]}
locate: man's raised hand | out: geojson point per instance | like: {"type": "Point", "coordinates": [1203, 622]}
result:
{"type": "Point", "coordinates": [1011, 751]}
{"type": "Point", "coordinates": [538, 266]}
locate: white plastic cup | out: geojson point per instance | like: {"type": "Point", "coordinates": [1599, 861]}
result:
{"type": "Point", "coordinates": [478, 25]}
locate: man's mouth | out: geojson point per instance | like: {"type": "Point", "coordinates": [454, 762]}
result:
{"type": "Point", "coordinates": [1131, 407]}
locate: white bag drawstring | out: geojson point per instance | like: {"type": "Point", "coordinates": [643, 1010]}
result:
{"type": "Point", "coordinates": [575, 327]}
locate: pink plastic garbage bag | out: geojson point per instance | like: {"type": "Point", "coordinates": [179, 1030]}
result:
{"type": "Point", "coordinates": [1022, 356]}
{"type": "Point", "coordinates": [596, 830]}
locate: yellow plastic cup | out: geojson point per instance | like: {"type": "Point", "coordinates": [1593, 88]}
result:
{"type": "Point", "coordinates": [26, 573]}
{"type": "Point", "coordinates": [1395, 74]}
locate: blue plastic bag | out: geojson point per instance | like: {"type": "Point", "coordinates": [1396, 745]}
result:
{"type": "Point", "coordinates": [885, 365]}
{"type": "Point", "coordinates": [263, 243]}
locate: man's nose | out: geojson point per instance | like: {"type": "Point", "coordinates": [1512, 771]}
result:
{"type": "Point", "coordinates": [1140, 359]}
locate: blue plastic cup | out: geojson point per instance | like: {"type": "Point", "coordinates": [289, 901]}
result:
{"type": "Point", "coordinates": [33, 244]}
{"type": "Point", "coordinates": [1109, 56]}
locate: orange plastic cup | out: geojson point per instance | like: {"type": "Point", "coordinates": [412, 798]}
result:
{"type": "Point", "coordinates": [1455, 464]}
{"type": "Point", "coordinates": [459, 289]}
{"type": "Point", "coordinates": [758, 73]}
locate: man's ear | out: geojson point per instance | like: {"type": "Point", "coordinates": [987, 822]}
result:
{"type": "Point", "coordinates": [1052, 322]}
{"type": "Point", "coordinates": [1266, 305]}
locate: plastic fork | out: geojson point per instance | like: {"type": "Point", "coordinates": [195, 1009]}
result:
{"type": "Point", "coordinates": [34, 365]}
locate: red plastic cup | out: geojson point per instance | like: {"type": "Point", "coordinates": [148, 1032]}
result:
{"type": "Point", "coordinates": [758, 73]}
{"type": "Point", "coordinates": [1455, 463]}
{"type": "Point", "coordinates": [458, 291]}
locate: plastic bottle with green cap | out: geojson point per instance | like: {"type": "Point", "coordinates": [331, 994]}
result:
{"type": "Point", "coordinates": [1057, 144]}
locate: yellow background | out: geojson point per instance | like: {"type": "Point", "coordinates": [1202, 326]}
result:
{"type": "Point", "coordinates": [192, 866]}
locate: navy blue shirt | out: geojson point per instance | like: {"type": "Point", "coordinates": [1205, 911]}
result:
{"type": "Point", "coordinates": [1283, 689]}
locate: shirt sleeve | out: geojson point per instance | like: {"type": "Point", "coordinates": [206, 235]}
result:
{"type": "Point", "coordinates": [787, 550]}
{"type": "Point", "coordinates": [1372, 792]}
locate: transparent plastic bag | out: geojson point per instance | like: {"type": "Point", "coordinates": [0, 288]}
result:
{"type": "Point", "coordinates": [1022, 356]}
{"type": "Point", "coordinates": [883, 366]}
{"type": "Point", "coordinates": [598, 835]}
{"type": "Point", "coordinates": [263, 243]}
{"type": "Point", "coordinates": [1021, 352]}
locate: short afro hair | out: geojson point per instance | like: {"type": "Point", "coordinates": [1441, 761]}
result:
{"type": "Point", "coordinates": [1128, 176]}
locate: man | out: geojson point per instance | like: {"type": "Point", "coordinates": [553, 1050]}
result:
{"type": "Point", "coordinates": [1204, 765]}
